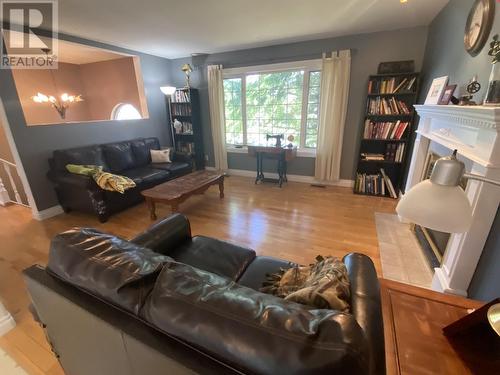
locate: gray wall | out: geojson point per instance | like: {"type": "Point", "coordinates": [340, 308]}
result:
{"type": "Point", "coordinates": [36, 143]}
{"type": "Point", "coordinates": [445, 55]}
{"type": "Point", "coordinates": [367, 50]}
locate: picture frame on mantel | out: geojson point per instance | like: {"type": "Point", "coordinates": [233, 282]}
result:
{"type": "Point", "coordinates": [449, 90]}
{"type": "Point", "coordinates": [436, 90]}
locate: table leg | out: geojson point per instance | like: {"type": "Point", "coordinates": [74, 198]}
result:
{"type": "Point", "coordinates": [285, 169]}
{"type": "Point", "coordinates": [221, 187]}
{"type": "Point", "coordinates": [152, 209]}
{"type": "Point", "coordinates": [280, 172]}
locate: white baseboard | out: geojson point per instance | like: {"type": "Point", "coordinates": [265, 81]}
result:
{"type": "Point", "coordinates": [440, 284]}
{"type": "Point", "coordinates": [6, 322]}
{"type": "Point", "coordinates": [291, 177]}
{"type": "Point", "coordinates": [48, 213]}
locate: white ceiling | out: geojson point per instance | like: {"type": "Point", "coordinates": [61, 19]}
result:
{"type": "Point", "coordinates": [79, 54]}
{"type": "Point", "coordinates": [178, 28]}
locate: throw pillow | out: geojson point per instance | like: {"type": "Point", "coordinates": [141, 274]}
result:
{"type": "Point", "coordinates": [160, 156]}
{"type": "Point", "coordinates": [323, 285]}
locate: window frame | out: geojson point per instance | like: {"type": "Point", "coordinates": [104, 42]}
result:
{"type": "Point", "coordinates": [307, 66]}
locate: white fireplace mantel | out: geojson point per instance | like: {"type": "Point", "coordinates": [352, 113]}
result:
{"type": "Point", "coordinates": [475, 132]}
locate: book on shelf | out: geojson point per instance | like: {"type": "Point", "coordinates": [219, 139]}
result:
{"type": "Point", "coordinates": [372, 157]}
{"type": "Point", "coordinates": [187, 128]}
{"type": "Point", "coordinates": [388, 182]}
{"type": "Point", "coordinates": [391, 85]}
{"type": "Point", "coordinates": [390, 106]}
{"type": "Point", "coordinates": [384, 130]}
{"type": "Point", "coordinates": [374, 184]}
{"type": "Point", "coordinates": [181, 110]}
{"type": "Point", "coordinates": [185, 147]}
{"type": "Point", "coordinates": [181, 96]}
{"type": "Point", "coordinates": [393, 152]}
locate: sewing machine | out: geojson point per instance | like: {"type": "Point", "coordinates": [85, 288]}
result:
{"type": "Point", "coordinates": [278, 138]}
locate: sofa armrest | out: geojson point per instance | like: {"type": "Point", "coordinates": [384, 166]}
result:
{"type": "Point", "coordinates": [366, 306]}
{"type": "Point", "coordinates": [75, 180]}
{"type": "Point", "coordinates": [182, 157]}
{"type": "Point", "coordinates": [165, 235]}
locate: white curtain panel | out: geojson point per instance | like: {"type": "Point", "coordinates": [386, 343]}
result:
{"type": "Point", "coordinates": [335, 76]}
{"type": "Point", "coordinates": [216, 100]}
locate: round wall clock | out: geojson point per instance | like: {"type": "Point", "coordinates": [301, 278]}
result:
{"type": "Point", "coordinates": [478, 26]}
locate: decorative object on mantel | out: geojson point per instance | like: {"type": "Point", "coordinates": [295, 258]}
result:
{"type": "Point", "coordinates": [60, 104]}
{"type": "Point", "coordinates": [290, 139]}
{"type": "Point", "coordinates": [473, 87]}
{"type": "Point", "coordinates": [448, 209]}
{"type": "Point", "coordinates": [447, 94]}
{"type": "Point", "coordinates": [478, 26]}
{"type": "Point", "coordinates": [493, 93]}
{"type": "Point", "coordinates": [436, 90]}
{"type": "Point", "coordinates": [187, 69]}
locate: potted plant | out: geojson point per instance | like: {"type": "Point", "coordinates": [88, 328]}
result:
{"type": "Point", "coordinates": [493, 93]}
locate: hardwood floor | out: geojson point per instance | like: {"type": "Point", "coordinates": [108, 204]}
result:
{"type": "Point", "coordinates": [296, 223]}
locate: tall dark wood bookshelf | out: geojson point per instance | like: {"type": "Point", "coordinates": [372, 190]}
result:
{"type": "Point", "coordinates": [388, 106]}
{"type": "Point", "coordinates": [185, 107]}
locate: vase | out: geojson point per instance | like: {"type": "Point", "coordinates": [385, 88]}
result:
{"type": "Point", "coordinates": [493, 93]}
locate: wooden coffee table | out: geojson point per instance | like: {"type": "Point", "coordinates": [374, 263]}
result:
{"type": "Point", "coordinates": [178, 190]}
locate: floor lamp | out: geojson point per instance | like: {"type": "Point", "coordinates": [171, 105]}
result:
{"type": "Point", "coordinates": [169, 91]}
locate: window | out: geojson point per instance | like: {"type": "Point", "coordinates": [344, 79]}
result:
{"type": "Point", "coordinates": [124, 111]}
{"type": "Point", "coordinates": [273, 99]}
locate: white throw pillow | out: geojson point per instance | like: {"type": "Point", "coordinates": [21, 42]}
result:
{"type": "Point", "coordinates": [160, 156]}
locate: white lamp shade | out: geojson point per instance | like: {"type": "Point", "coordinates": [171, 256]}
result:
{"type": "Point", "coordinates": [438, 207]}
{"type": "Point", "coordinates": [168, 90]}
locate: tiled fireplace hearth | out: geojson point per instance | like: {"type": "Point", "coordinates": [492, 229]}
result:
{"type": "Point", "coordinates": [475, 132]}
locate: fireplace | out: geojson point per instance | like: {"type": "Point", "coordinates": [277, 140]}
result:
{"type": "Point", "coordinates": [475, 132]}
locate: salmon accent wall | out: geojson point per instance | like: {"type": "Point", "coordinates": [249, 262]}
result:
{"type": "Point", "coordinates": [102, 85]}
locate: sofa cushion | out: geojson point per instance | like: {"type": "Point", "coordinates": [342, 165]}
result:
{"type": "Point", "coordinates": [141, 153]}
{"type": "Point", "coordinates": [110, 268]}
{"type": "Point", "coordinates": [90, 155]}
{"type": "Point", "coordinates": [119, 156]}
{"type": "Point", "coordinates": [146, 175]}
{"type": "Point", "coordinates": [212, 255]}
{"type": "Point", "coordinates": [256, 273]}
{"type": "Point", "coordinates": [176, 167]}
{"type": "Point", "coordinates": [252, 331]}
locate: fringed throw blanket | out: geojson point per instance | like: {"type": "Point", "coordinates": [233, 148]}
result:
{"type": "Point", "coordinates": [105, 180]}
{"type": "Point", "coordinates": [323, 285]}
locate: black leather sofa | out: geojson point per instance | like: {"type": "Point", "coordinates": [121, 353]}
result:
{"type": "Point", "coordinates": [128, 158]}
{"type": "Point", "coordinates": [169, 303]}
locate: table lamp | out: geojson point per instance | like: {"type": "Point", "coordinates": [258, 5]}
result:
{"type": "Point", "coordinates": [440, 203]}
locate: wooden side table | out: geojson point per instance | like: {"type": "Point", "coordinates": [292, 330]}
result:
{"type": "Point", "coordinates": [414, 341]}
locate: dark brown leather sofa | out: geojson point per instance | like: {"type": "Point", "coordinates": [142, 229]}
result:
{"type": "Point", "coordinates": [128, 158]}
{"type": "Point", "coordinates": [169, 303]}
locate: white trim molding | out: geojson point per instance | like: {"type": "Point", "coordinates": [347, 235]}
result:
{"type": "Point", "coordinates": [301, 152]}
{"type": "Point", "coordinates": [474, 131]}
{"type": "Point", "coordinates": [48, 213]}
{"type": "Point", "coordinates": [291, 177]}
{"type": "Point", "coordinates": [6, 320]}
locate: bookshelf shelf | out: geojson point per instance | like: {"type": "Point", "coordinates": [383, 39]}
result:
{"type": "Point", "coordinates": [185, 107]}
{"type": "Point", "coordinates": [387, 133]}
